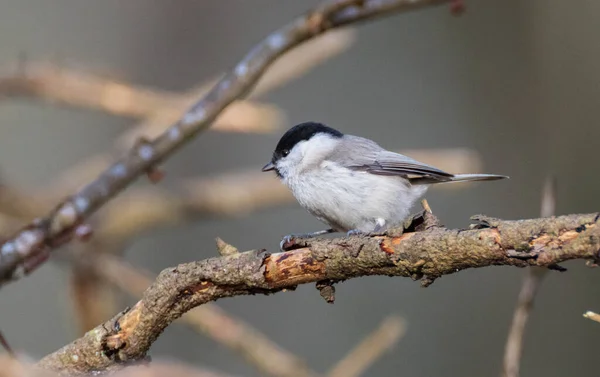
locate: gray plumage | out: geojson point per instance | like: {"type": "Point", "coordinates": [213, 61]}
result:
{"type": "Point", "coordinates": [351, 183]}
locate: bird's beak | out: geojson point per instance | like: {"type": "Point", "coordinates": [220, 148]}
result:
{"type": "Point", "coordinates": [268, 167]}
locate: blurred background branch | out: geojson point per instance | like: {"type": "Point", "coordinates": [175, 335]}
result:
{"type": "Point", "coordinates": [59, 86]}
{"type": "Point", "coordinates": [11, 367]}
{"type": "Point", "coordinates": [370, 349]}
{"type": "Point", "coordinates": [592, 315]}
{"type": "Point", "coordinates": [533, 277]}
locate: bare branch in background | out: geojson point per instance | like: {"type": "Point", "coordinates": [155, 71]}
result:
{"type": "Point", "coordinates": [5, 345]}
{"type": "Point", "coordinates": [289, 67]}
{"type": "Point", "coordinates": [11, 367]}
{"type": "Point", "coordinates": [370, 349]}
{"type": "Point", "coordinates": [423, 255]}
{"type": "Point", "coordinates": [531, 283]}
{"type": "Point", "coordinates": [93, 298]}
{"type": "Point", "coordinates": [171, 369]}
{"type": "Point", "coordinates": [591, 315]}
{"type": "Point", "coordinates": [76, 89]}
{"type": "Point", "coordinates": [27, 249]}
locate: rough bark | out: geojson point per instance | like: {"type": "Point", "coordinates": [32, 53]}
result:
{"type": "Point", "coordinates": [425, 252]}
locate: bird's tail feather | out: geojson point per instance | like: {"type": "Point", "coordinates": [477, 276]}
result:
{"type": "Point", "coordinates": [457, 178]}
{"type": "Point", "coordinates": [477, 177]}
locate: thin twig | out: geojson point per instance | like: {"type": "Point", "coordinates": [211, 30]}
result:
{"type": "Point", "coordinates": [11, 367]}
{"type": "Point", "coordinates": [425, 255]}
{"type": "Point", "coordinates": [6, 345]}
{"type": "Point", "coordinates": [93, 298]}
{"type": "Point", "coordinates": [171, 369]}
{"type": "Point", "coordinates": [30, 247]}
{"type": "Point", "coordinates": [356, 362]}
{"type": "Point", "coordinates": [591, 315]}
{"type": "Point", "coordinates": [533, 277]}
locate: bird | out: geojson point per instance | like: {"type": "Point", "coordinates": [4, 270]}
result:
{"type": "Point", "coordinates": [351, 183]}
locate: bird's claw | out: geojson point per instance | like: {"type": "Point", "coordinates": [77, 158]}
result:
{"type": "Point", "coordinates": [284, 241]}
{"type": "Point", "coordinates": [290, 239]}
{"type": "Point", "coordinates": [356, 232]}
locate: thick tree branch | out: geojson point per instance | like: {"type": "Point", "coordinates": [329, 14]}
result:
{"type": "Point", "coordinates": [29, 247]}
{"type": "Point", "coordinates": [258, 350]}
{"type": "Point", "coordinates": [423, 255]}
{"type": "Point", "coordinates": [255, 347]}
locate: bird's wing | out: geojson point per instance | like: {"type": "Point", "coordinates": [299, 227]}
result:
{"type": "Point", "coordinates": [365, 155]}
{"type": "Point", "coordinates": [390, 163]}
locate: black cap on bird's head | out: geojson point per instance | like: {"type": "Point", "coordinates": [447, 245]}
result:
{"type": "Point", "coordinates": [296, 134]}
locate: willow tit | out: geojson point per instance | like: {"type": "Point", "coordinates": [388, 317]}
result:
{"type": "Point", "coordinates": [351, 183]}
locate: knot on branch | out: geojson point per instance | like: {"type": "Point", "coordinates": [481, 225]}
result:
{"type": "Point", "coordinates": [327, 290]}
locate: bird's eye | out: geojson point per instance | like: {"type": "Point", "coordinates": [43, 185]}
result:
{"type": "Point", "coordinates": [285, 152]}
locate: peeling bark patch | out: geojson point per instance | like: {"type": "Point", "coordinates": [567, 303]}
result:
{"type": "Point", "coordinates": [283, 257]}
{"type": "Point", "coordinates": [546, 240]}
{"type": "Point", "coordinates": [202, 286]}
{"type": "Point", "coordinates": [569, 235]}
{"type": "Point", "coordinates": [291, 268]}
{"type": "Point", "coordinates": [491, 234]}
{"type": "Point", "coordinates": [112, 345]}
{"type": "Point", "coordinates": [386, 247]}
{"type": "Point", "coordinates": [124, 326]}
{"type": "Point", "coordinates": [397, 240]}
{"type": "Point", "coordinates": [420, 263]}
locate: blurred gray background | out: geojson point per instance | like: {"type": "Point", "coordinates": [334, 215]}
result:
{"type": "Point", "coordinates": [516, 80]}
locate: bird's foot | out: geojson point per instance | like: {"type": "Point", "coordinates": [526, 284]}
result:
{"type": "Point", "coordinates": [288, 242]}
{"type": "Point", "coordinates": [356, 232]}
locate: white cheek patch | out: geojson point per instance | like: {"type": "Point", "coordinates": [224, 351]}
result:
{"type": "Point", "coordinates": [307, 155]}
{"type": "Point", "coordinates": [315, 150]}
